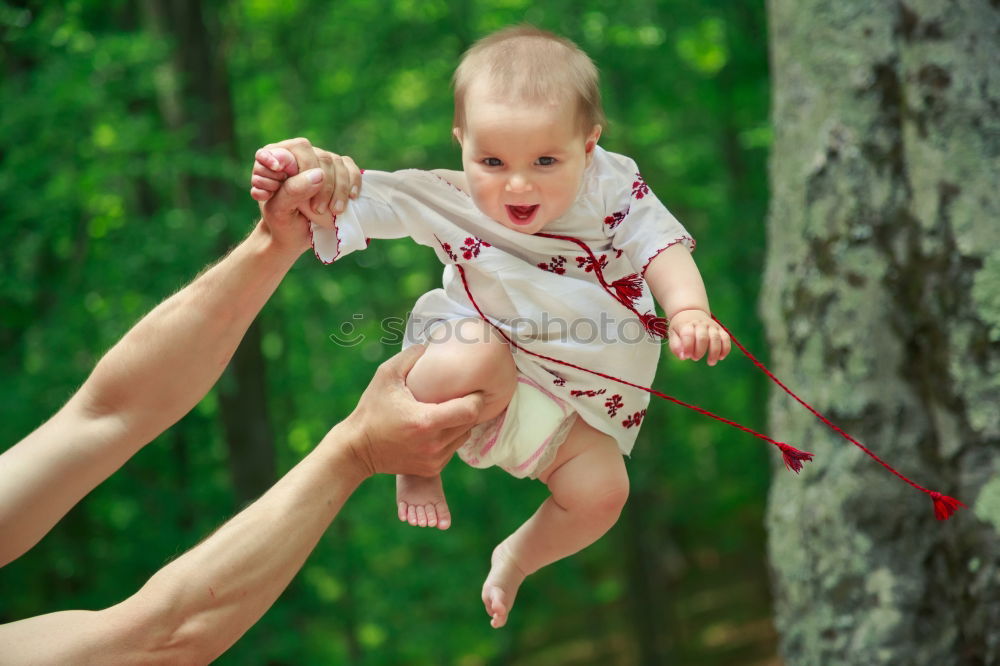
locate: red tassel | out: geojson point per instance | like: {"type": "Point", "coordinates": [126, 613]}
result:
{"type": "Point", "coordinates": [628, 288]}
{"type": "Point", "coordinates": [793, 457]}
{"type": "Point", "coordinates": [944, 506]}
{"type": "Point", "coordinates": [656, 326]}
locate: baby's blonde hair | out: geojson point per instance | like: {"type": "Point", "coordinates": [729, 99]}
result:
{"type": "Point", "coordinates": [532, 65]}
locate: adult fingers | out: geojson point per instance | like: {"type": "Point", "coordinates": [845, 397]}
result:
{"type": "Point", "coordinates": [355, 174]}
{"type": "Point", "coordinates": [397, 367]}
{"type": "Point", "coordinates": [296, 190]}
{"type": "Point", "coordinates": [460, 412]}
{"type": "Point", "coordinates": [343, 186]}
{"type": "Point", "coordinates": [303, 152]}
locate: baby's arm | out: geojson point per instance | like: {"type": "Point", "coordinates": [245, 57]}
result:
{"type": "Point", "coordinates": [678, 288]}
{"type": "Point", "coordinates": [274, 163]}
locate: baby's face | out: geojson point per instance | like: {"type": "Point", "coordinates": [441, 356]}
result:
{"type": "Point", "coordinates": [524, 162]}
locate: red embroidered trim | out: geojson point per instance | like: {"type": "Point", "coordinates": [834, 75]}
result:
{"type": "Point", "coordinates": [666, 247]}
{"type": "Point", "coordinates": [447, 248]}
{"type": "Point", "coordinates": [639, 187]}
{"type": "Point", "coordinates": [312, 243]}
{"type": "Point", "coordinates": [614, 403]}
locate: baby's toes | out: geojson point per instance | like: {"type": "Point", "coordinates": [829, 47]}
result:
{"type": "Point", "coordinates": [443, 516]}
{"type": "Point", "coordinates": [421, 515]}
{"type": "Point", "coordinates": [411, 515]}
{"type": "Point", "coordinates": [402, 511]}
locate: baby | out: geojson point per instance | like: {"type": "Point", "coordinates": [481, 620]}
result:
{"type": "Point", "coordinates": [553, 251]}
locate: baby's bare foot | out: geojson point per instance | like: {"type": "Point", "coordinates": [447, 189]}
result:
{"type": "Point", "coordinates": [420, 501]}
{"type": "Point", "coordinates": [501, 585]}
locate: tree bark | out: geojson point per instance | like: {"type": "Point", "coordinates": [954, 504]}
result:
{"type": "Point", "coordinates": [882, 304]}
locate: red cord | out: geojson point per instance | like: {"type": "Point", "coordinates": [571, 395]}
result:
{"type": "Point", "coordinates": [793, 458]}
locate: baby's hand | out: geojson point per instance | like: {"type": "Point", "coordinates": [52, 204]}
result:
{"type": "Point", "coordinates": [694, 332]}
{"type": "Point", "coordinates": [274, 163]}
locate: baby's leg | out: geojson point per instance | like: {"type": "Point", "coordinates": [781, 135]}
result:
{"type": "Point", "coordinates": [462, 357]}
{"type": "Point", "coordinates": [589, 487]}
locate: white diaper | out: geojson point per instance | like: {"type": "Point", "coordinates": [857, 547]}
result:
{"type": "Point", "coordinates": [523, 440]}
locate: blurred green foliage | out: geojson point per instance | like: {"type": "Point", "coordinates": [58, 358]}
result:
{"type": "Point", "coordinates": [112, 199]}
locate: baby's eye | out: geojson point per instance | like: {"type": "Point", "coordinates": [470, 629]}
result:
{"type": "Point", "coordinates": [546, 161]}
{"type": "Point", "coordinates": [492, 162]}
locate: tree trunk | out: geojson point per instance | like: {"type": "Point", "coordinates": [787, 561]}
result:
{"type": "Point", "coordinates": [882, 302]}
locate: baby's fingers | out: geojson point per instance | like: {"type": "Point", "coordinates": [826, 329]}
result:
{"type": "Point", "coordinates": [278, 159]}
{"type": "Point", "coordinates": [676, 344]}
{"type": "Point", "coordinates": [687, 336]}
{"type": "Point", "coordinates": [714, 345]}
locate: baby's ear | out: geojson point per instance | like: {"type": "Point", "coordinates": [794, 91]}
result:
{"type": "Point", "coordinates": [457, 133]}
{"type": "Point", "coordinates": [591, 143]}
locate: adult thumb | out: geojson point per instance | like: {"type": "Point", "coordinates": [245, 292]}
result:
{"type": "Point", "coordinates": [298, 189]}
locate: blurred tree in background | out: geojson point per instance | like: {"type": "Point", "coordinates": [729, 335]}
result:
{"type": "Point", "coordinates": [126, 138]}
{"type": "Point", "coordinates": [883, 297]}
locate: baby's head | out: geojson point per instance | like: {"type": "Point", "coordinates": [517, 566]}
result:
{"type": "Point", "coordinates": [528, 116]}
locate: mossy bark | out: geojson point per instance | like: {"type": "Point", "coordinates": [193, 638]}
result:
{"type": "Point", "coordinates": [882, 304]}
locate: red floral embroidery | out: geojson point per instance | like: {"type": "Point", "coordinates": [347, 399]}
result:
{"type": "Point", "coordinates": [447, 248]}
{"type": "Point", "coordinates": [634, 420]}
{"type": "Point", "coordinates": [554, 266]}
{"type": "Point", "coordinates": [471, 247]}
{"type": "Point", "coordinates": [639, 187]}
{"type": "Point", "coordinates": [619, 253]}
{"type": "Point", "coordinates": [559, 381]}
{"type": "Point", "coordinates": [615, 219]}
{"type": "Point", "coordinates": [589, 393]}
{"type": "Point", "coordinates": [588, 263]}
{"type": "Point", "coordinates": [614, 403]}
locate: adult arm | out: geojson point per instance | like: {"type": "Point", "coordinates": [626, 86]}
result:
{"type": "Point", "coordinates": [157, 372]}
{"type": "Point", "coordinates": [194, 608]}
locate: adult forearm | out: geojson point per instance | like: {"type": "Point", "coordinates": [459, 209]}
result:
{"type": "Point", "coordinates": [173, 356]}
{"type": "Point", "coordinates": [153, 376]}
{"type": "Point", "coordinates": [206, 599]}
{"type": "Point", "coordinates": [197, 606]}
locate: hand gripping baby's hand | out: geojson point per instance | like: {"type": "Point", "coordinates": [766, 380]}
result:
{"type": "Point", "coordinates": [274, 163]}
{"type": "Point", "coordinates": [693, 333]}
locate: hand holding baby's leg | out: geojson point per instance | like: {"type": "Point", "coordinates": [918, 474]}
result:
{"type": "Point", "coordinates": [462, 357]}
{"type": "Point", "coordinates": [589, 487]}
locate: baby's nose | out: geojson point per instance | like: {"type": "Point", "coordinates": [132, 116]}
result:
{"type": "Point", "coordinates": [518, 183]}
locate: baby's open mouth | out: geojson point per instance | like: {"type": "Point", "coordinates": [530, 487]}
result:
{"type": "Point", "coordinates": [521, 214]}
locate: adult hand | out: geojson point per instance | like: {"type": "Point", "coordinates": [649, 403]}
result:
{"type": "Point", "coordinates": [396, 434]}
{"type": "Point", "coordinates": [278, 162]}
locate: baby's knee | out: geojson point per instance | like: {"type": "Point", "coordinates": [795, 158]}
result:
{"type": "Point", "coordinates": [609, 493]}
{"type": "Point", "coordinates": [461, 358]}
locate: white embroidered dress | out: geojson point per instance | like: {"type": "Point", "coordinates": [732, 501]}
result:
{"type": "Point", "coordinates": [542, 292]}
